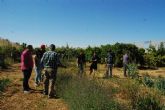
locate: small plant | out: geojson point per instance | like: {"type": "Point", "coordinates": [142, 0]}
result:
{"type": "Point", "coordinates": [148, 81]}
{"type": "Point", "coordinates": [3, 84]}
{"type": "Point", "coordinates": [148, 102]}
{"type": "Point", "coordinates": [132, 71]}
{"type": "Point", "coordinates": [160, 84]}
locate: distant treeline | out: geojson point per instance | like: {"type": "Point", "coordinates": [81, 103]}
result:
{"type": "Point", "coordinates": [150, 57]}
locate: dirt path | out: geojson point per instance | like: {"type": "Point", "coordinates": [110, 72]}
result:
{"type": "Point", "coordinates": [14, 99]}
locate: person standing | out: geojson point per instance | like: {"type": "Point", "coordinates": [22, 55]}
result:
{"type": "Point", "coordinates": [42, 50]}
{"type": "Point", "coordinates": [37, 65]}
{"type": "Point", "coordinates": [26, 67]}
{"type": "Point", "coordinates": [125, 63]}
{"type": "Point", "coordinates": [80, 63]}
{"type": "Point", "coordinates": [50, 62]}
{"type": "Point", "coordinates": [93, 66]}
{"type": "Point", "coordinates": [109, 63]}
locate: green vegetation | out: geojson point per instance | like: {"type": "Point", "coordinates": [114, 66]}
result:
{"type": "Point", "coordinates": [160, 84]}
{"type": "Point", "coordinates": [140, 93]}
{"type": "Point", "coordinates": [85, 94]}
{"type": "Point", "coordinates": [3, 84]}
{"type": "Point", "coordinates": [133, 71]}
{"type": "Point", "coordinates": [150, 57]}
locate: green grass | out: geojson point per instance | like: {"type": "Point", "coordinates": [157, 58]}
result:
{"type": "Point", "coordinates": [84, 94]}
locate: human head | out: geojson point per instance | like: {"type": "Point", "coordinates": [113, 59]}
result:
{"type": "Point", "coordinates": [29, 47]}
{"type": "Point", "coordinates": [81, 52]}
{"type": "Point", "coordinates": [43, 47]}
{"type": "Point", "coordinates": [52, 47]}
{"type": "Point", "coordinates": [37, 52]}
{"type": "Point", "coordinates": [94, 53]}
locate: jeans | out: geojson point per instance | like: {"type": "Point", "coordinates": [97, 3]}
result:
{"type": "Point", "coordinates": [26, 77]}
{"type": "Point", "coordinates": [38, 74]}
{"type": "Point", "coordinates": [109, 70]}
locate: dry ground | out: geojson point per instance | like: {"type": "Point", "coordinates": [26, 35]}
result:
{"type": "Point", "coordinates": [14, 99]}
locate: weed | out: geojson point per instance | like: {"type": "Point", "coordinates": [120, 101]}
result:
{"type": "Point", "coordinates": [3, 84]}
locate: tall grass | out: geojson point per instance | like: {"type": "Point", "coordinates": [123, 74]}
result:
{"type": "Point", "coordinates": [84, 94]}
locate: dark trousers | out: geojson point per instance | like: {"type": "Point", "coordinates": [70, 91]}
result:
{"type": "Point", "coordinates": [26, 77]}
{"type": "Point", "coordinates": [125, 66]}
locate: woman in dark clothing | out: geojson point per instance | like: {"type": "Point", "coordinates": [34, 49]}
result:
{"type": "Point", "coordinates": [93, 66]}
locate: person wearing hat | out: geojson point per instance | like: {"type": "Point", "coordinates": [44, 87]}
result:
{"type": "Point", "coordinates": [50, 62]}
{"type": "Point", "coordinates": [43, 50]}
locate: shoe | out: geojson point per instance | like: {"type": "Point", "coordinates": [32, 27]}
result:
{"type": "Point", "coordinates": [26, 92]}
{"type": "Point", "coordinates": [53, 97]}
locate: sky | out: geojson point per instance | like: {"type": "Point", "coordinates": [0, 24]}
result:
{"type": "Point", "coordinates": [80, 23]}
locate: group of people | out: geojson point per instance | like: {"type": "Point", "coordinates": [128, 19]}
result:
{"type": "Point", "coordinates": [47, 62]}
{"type": "Point", "coordinates": [109, 63]}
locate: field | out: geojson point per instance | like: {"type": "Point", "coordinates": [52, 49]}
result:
{"type": "Point", "coordinates": [87, 93]}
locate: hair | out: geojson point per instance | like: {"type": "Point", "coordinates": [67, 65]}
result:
{"type": "Point", "coordinates": [52, 47]}
{"type": "Point", "coordinates": [37, 52]}
{"type": "Point", "coordinates": [30, 47]}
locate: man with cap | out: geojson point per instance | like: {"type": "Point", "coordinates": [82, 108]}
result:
{"type": "Point", "coordinates": [50, 62]}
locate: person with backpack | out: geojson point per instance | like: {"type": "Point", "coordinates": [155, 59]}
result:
{"type": "Point", "coordinates": [109, 63]}
{"type": "Point", "coordinates": [50, 62]}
